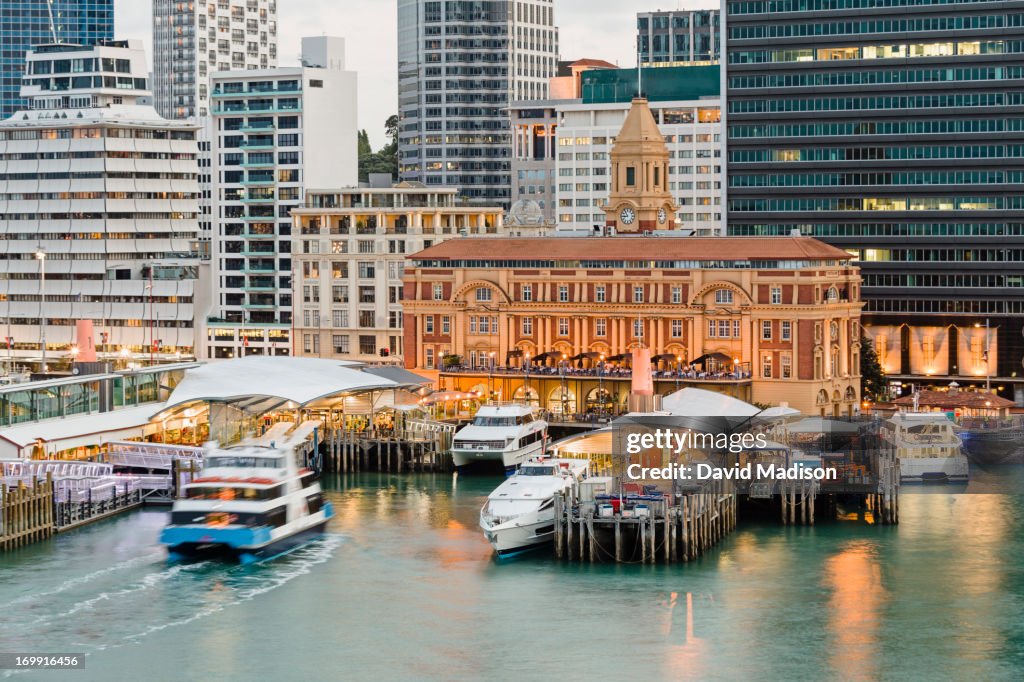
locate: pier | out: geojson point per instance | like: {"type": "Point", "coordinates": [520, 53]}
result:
{"type": "Point", "coordinates": [417, 446]}
{"type": "Point", "coordinates": [652, 527]}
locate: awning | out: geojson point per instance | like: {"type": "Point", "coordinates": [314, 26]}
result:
{"type": "Point", "coordinates": [591, 355]}
{"type": "Point", "coordinates": [665, 356]}
{"type": "Point", "coordinates": [541, 357]}
{"type": "Point", "coordinates": [516, 353]}
{"type": "Point", "coordinates": [720, 358]}
{"type": "Point", "coordinates": [620, 357]}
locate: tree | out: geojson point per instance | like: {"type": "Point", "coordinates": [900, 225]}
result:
{"type": "Point", "coordinates": [383, 161]}
{"type": "Point", "coordinates": [872, 376]}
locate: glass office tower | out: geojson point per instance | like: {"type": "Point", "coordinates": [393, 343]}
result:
{"type": "Point", "coordinates": [459, 66]}
{"type": "Point", "coordinates": [24, 23]}
{"type": "Point", "coordinates": [894, 129]}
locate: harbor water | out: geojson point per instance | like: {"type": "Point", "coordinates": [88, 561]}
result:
{"type": "Point", "coordinates": [404, 587]}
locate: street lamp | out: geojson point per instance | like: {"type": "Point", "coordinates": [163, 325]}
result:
{"type": "Point", "coordinates": [565, 396]}
{"type": "Point", "coordinates": [679, 369]}
{"type": "Point", "coordinates": [490, 375]}
{"type": "Point", "coordinates": [600, 383]}
{"type": "Point", "coordinates": [41, 257]}
{"type": "Point", "coordinates": [988, 373]}
{"type": "Point", "coordinates": [526, 383]}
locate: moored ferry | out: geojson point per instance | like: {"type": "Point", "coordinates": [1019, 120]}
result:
{"type": "Point", "coordinates": [506, 435]}
{"type": "Point", "coordinates": [251, 502]}
{"type": "Point", "coordinates": [927, 446]}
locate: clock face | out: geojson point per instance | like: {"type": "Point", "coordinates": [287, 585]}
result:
{"type": "Point", "coordinates": [662, 215]}
{"type": "Point", "coordinates": [627, 216]}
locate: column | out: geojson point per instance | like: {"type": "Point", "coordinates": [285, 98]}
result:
{"type": "Point", "coordinates": [613, 332]}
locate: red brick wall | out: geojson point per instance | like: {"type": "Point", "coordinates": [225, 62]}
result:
{"type": "Point", "coordinates": [411, 344]}
{"type": "Point", "coordinates": [805, 361]}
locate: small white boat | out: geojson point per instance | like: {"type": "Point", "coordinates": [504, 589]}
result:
{"type": "Point", "coordinates": [520, 513]}
{"type": "Point", "coordinates": [251, 502]}
{"type": "Point", "coordinates": [506, 434]}
{"type": "Point", "coordinates": [928, 447]}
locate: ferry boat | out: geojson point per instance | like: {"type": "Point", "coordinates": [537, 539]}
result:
{"type": "Point", "coordinates": [252, 502]}
{"type": "Point", "coordinates": [928, 447]}
{"type": "Point", "coordinates": [507, 434]}
{"type": "Point", "coordinates": [520, 513]}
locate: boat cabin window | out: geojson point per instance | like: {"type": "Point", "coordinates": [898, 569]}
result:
{"type": "Point", "coordinates": [233, 493]}
{"type": "Point", "coordinates": [497, 421]}
{"type": "Point", "coordinates": [536, 471]}
{"type": "Point", "coordinates": [238, 461]}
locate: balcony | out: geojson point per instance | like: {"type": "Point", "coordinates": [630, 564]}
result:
{"type": "Point", "coordinates": [258, 269]}
{"type": "Point", "coordinates": [257, 235]}
{"type": "Point", "coordinates": [258, 129]}
{"type": "Point", "coordinates": [257, 252]}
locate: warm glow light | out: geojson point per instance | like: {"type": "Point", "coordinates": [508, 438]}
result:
{"type": "Point", "coordinates": [125, 352]}
{"type": "Point", "coordinates": [74, 350]}
{"type": "Point", "coordinates": [40, 255]}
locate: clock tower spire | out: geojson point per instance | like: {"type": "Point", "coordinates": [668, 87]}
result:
{"type": "Point", "coordinates": [639, 200]}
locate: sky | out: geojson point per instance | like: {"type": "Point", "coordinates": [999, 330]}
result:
{"type": "Point", "coordinates": [598, 29]}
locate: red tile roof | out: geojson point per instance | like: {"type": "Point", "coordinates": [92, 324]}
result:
{"type": "Point", "coordinates": [633, 248]}
{"type": "Point", "coordinates": [600, 63]}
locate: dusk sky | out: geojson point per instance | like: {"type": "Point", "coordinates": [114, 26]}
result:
{"type": "Point", "coordinates": [601, 29]}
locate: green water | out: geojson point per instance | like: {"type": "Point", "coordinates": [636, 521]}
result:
{"type": "Point", "coordinates": [404, 587]}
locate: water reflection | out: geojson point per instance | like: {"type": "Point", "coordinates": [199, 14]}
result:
{"type": "Point", "coordinates": [854, 578]}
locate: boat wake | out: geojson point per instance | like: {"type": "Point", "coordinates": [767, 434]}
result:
{"type": "Point", "coordinates": [126, 602]}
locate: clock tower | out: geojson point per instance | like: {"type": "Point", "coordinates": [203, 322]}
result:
{"type": "Point", "coordinates": [639, 200]}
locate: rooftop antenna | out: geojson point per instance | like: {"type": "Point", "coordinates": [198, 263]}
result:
{"type": "Point", "coordinates": [639, 71]}
{"type": "Point", "coordinates": [53, 25]}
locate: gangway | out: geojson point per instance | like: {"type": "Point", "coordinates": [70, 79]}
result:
{"type": "Point", "coordinates": [151, 456]}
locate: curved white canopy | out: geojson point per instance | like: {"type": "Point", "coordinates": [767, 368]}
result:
{"type": "Point", "coordinates": [697, 402]}
{"type": "Point", "coordinates": [259, 379]}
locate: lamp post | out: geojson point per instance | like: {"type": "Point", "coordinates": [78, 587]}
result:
{"type": "Point", "coordinates": [679, 369]}
{"type": "Point", "coordinates": [41, 257]}
{"type": "Point", "coordinates": [561, 372]}
{"type": "Point", "coordinates": [988, 348]}
{"type": "Point", "coordinates": [600, 382]}
{"type": "Point", "coordinates": [490, 375]}
{"type": "Point", "coordinates": [526, 382]}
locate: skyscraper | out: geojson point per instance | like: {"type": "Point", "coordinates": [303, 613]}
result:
{"type": "Point", "coordinates": [678, 37]}
{"type": "Point", "coordinates": [191, 40]}
{"type": "Point", "coordinates": [275, 132]}
{"type": "Point", "coordinates": [894, 129]}
{"type": "Point", "coordinates": [26, 23]}
{"type": "Point", "coordinates": [459, 66]}
{"type": "Point", "coordinates": [99, 202]}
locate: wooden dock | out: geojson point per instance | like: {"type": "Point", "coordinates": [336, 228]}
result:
{"type": "Point", "coordinates": [26, 513]}
{"type": "Point", "coordinates": [666, 528]}
{"type": "Point", "coordinates": [421, 451]}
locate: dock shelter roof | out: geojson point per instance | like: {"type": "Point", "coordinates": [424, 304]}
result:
{"type": "Point", "coordinates": [71, 432]}
{"type": "Point", "coordinates": [259, 383]}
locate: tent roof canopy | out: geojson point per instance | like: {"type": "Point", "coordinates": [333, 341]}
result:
{"type": "Point", "coordinates": [260, 383]}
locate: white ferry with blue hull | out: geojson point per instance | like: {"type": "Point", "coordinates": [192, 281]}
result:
{"type": "Point", "coordinates": [500, 435]}
{"type": "Point", "coordinates": [252, 502]}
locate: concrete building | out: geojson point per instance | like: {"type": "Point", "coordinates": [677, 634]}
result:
{"type": "Point", "coordinates": [460, 64]}
{"type": "Point", "coordinates": [533, 140]}
{"type": "Point", "coordinates": [687, 109]}
{"type": "Point", "coordinates": [27, 23]}
{"type": "Point", "coordinates": [276, 132]}
{"type": "Point", "coordinates": [191, 40]}
{"type": "Point", "coordinates": [678, 37]}
{"type": "Point", "coordinates": [98, 210]}
{"type": "Point", "coordinates": [349, 254]}
{"type": "Point", "coordinates": [893, 130]}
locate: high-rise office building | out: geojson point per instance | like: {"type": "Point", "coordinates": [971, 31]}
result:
{"type": "Point", "coordinates": [275, 133]}
{"type": "Point", "coordinates": [460, 64]}
{"type": "Point", "coordinates": [26, 23]}
{"type": "Point", "coordinates": [191, 40]}
{"type": "Point", "coordinates": [894, 129]}
{"type": "Point", "coordinates": [678, 37]}
{"type": "Point", "coordinates": [98, 208]}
